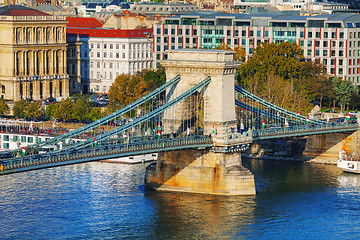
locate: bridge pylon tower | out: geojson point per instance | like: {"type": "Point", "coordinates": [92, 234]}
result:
{"type": "Point", "coordinates": [215, 170]}
{"type": "Point", "coordinates": [193, 66]}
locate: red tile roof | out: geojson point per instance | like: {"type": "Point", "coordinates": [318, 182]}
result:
{"type": "Point", "coordinates": [112, 33]}
{"type": "Point", "coordinates": [77, 22]}
{"type": "Point", "coordinates": [18, 10]}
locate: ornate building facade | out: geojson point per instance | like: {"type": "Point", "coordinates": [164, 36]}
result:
{"type": "Point", "coordinates": [32, 54]}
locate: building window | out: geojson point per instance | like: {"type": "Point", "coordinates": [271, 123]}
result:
{"type": "Point", "coordinates": [6, 137]}
{"type": "Point", "coordinates": [325, 44]}
{"type": "Point", "coordinates": [98, 54]}
{"type": "Point", "coordinates": [30, 139]}
{"type": "Point", "coordinates": [325, 62]}
{"type": "Point", "coordinates": [332, 70]}
{"type": "Point", "coordinates": [309, 34]}
{"type": "Point", "coordinates": [123, 55]}
{"type": "Point", "coordinates": [105, 45]}
{"type": "Point", "coordinates": [326, 34]}
{"type": "Point", "coordinates": [266, 33]}
{"type": "Point", "coordinates": [6, 145]}
{"type": "Point", "coordinates": [332, 62]}
{"type": "Point", "coordinates": [23, 138]}
{"type": "Point", "coordinates": [341, 35]}
{"type": "Point", "coordinates": [341, 62]}
{"type": "Point", "coordinates": [111, 46]}
{"type": "Point", "coordinates": [117, 46]}
{"type": "Point", "coordinates": [258, 33]}
{"type": "Point", "coordinates": [98, 45]}
{"type": "Point", "coordinates": [15, 138]}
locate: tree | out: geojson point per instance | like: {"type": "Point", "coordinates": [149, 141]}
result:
{"type": "Point", "coordinates": [282, 60]}
{"type": "Point", "coordinates": [344, 93]}
{"type": "Point", "coordinates": [33, 110]}
{"type": "Point", "coordinates": [50, 109]}
{"type": "Point", "coordinates": [4, 108]}
{"type": "Point", "coordinates": [64, 110]}
{"type": "Point", "coordinates": [95, 113]}
{"type": "Point", "coordinates": [239, 52]}
{"type": "Point", "coordinates": [81, 109]}
{"type": "Point", "coordinates": [19, 108]}
{"type": "Point", "coordinates": [128, 88]}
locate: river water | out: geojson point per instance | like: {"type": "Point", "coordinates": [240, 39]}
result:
{"type": "Point", "coordinates": [108, 201]}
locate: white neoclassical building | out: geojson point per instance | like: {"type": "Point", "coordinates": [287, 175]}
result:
{"type": "Point", "coordinates": [107, 53]}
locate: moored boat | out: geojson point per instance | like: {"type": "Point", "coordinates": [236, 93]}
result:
{"type": "Point", "coordinates": [348, 163]}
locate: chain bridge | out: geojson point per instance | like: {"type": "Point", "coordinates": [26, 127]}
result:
{"type": "Point", "coordinates": [199, 109]}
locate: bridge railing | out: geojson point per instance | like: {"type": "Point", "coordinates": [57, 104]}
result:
{"type": "Point", "coordinates": [101, 152]}
{"type": "Point", "coordinates": [303, 130]}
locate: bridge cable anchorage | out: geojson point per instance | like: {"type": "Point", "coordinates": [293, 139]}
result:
{"type": "Point", "coordinates": [108, 118]}
{"type": "Point", "coordinates": [140, 120]}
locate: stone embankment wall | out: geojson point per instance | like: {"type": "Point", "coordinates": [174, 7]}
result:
{"type": "Point", "coordinates": [317, 148]}
{"type": "Point", "coordinates": [325, 148]}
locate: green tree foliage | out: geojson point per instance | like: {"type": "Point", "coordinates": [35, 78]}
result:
{"type": "Point", "coordinates": [283, 66]}
{"type": "Point", "coordinates": [344, 92]}
{"type": "Point", "coordinates": [50, 109]}
{"type": "Point", "coordinates": [81, 109]}
{"type": "Point", "coordinates": [4, 108]}
{"type": "Point", "coordinates": [239, 52]}
{"type": "Point", "coordinates": [64, 110]}
{"type": "Point", "coordinates": [281, 60]}
{"type": "Point", "coordinates": [19, 108]}
{"type": "Point", "coordinates": [95, 113]}
{"type": "Point", "coordinates": [26, 109]}
{"type": "Point", "coordinates": [33, 110]}
{"type": "Point", "coordinates": [128, 88]}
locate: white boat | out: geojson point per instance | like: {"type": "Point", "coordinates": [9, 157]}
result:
{"type": "Point", "coordinates": [348, 163]}
{"type": "Point", "coordinates": [134, 159]}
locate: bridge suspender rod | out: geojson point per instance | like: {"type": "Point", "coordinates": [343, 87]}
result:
{"type": "Point", "coordinates": [259, 111]}
{"type": "Point", "coordinates": [113, 115]}
{"type": "Point", "coordinates": [256, 98]}
{"type": "Point", "coordinates": [144, 118]}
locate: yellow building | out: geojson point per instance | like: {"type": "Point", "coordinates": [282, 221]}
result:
{"type": "Point", "coordinates": [32, 54]}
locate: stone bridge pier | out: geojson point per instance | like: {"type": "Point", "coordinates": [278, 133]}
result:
{"type": "Point", "coordinates": [209, 171]}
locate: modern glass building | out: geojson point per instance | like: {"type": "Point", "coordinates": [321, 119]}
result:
{"type": "Point", "coordinates": [332, 39]}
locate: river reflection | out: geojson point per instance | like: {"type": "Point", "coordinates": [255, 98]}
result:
{"type": "Point", "coordinates": [201, 216]}
{"type": "Point", "coordinates": [108, 201]}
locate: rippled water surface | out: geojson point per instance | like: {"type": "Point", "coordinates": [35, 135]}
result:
{"type": "Point", "coordinates": [107, 201]}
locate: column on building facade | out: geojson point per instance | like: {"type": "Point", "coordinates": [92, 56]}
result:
{"type": "Point", "coordinates": [35, 62]}
{"type": "Point", "coordinates": [45, 62]}
{"type": "Point", "coordinates": [64, 62]}
{"type": "Point", "coordinates": [24, 62]}
{"type": "Point", "coordinates": [46, 88]}
{"type": "Point", "coordinates": [15, 63]}
{"type": "Point", "coordinates": [36, 90]}
{"type": "Point", "coordinates": [65, 88]}
{"type": "Point", "coordinates": [26, 90]}
{"type": "Point", "coordinates": [31, 63]}
{"type": "Point", "coordinates": [60, 59]}
{"type": "Point", "coordinates": [50, 65]}
{"type": "Point", "coordinates": [16, 91]}
{"type": "Point", "coordinates": [56, 88]}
